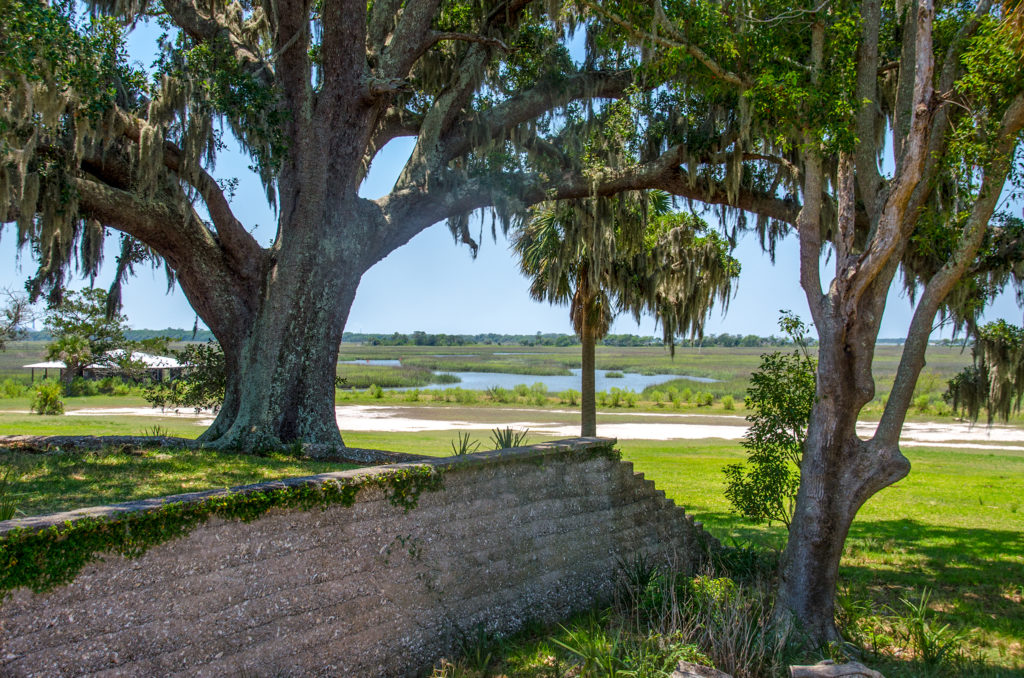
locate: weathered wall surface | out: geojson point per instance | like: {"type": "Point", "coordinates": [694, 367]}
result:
{"type": "Point", "coordinates": [363, 590]}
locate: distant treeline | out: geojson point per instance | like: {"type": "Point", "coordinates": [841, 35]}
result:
{"type": "Point", "coordinates": [172, 333]}
{"type": "Point", "coordinates": [541, 339]}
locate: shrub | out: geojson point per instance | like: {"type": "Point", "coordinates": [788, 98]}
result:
{"type": "Point", "coordinates": [686, 395]}
{"type": "Point", "coordinates": [922, 403]}
{"type": "Point", "coordinates": [521, 390]}
{"type": "Point", "coordinates": [630, 397]}
{"type": "Point", "coordinates": [657, 397]}
{"type": "Point", "coordinates": [539, 387]}
{"type": "Point", "coordinates": [614, 375]}
{"type": "Point", "coordinates": [12, 389]}
{"type": "Point", "coordinates": [375, 391]}
{"type": "Point", "coordinates": [48, 398]}
{"type": "Point", "coordinates": [602, 398]}
{"type": "Point", "coordinates": [780, 398]}
{"type": "Point", "coordinates": [704, 399]}
{"type": "Point", "coordinates": [728, 403]}
{"type": "Point", "coordinates": [569, 397]}
{"type": "Point", "coordinates": [202, 384]}
{"type": "Point", "coordinates": [499, 394]}
{"type": "Point", "coordinates": [411, 396]}
{"type": "Point", "coordinates": [82, 387]}
{"type": "Point", "coordinates": [465, 396]}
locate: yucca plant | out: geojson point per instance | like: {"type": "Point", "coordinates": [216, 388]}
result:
{"type": "Point", "coordinates": [462, 445]}
{"type": "Point", "coordinates": [504, 438]}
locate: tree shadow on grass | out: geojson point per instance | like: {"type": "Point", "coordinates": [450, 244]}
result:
{"type": "Point", "coordinates": [975, 576]}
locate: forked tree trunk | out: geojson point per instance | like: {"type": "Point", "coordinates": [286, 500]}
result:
{"type": "Point", "coordinates": [839, 472]}
{"type": "Point", "coordinates": [588, 406]}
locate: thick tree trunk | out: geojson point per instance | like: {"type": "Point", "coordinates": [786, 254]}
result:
{"type": "Point", "coordinates": [839, 472]}
{"type": "Point", "coordinates": [282, 364]}
{"type": "Point", "coordinates": [588, 406]}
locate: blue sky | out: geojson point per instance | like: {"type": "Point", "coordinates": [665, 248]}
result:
{"type": "Point", "coordinates": [434, 285]}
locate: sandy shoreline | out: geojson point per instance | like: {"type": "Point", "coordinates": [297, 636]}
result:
{"type": "Point", "coordinates": [646, 426]}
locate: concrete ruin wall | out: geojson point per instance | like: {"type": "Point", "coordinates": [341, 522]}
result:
{"type": "Point", "coordinates": [532, 533]}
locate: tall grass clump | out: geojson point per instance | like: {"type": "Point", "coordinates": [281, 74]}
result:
{"type": "Point", "coordinates": [728, 618]}
{"type": "Point", "coordinates": [8, 508]}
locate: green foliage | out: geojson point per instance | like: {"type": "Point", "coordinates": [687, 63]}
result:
{"type": "Point", "coordinates": [938, 647]}
{"type": "Point", "coordinates": [201, 385]}
{"type": "Point", "coordinates": [9, 388]}
{"type": "Point", "coordinates": [462, 445]}
{"type": "Point", "coordinates": [995, 380]}
{"type": "Point", "coordinates": [43, 559]}
{"type": "Point", "coordinates": [780, 397]}
{"type": "Point", "coordinates": [48, 398]}
{"type": "Point", "coordinates": [504, 438]}
{"type": "Point", "coordinates": [569, 397]}
{"type": "Point", "coordinates": [83, 315]}
{"type": "Point", "coordinates": [499, 394]}
{"type": "Point", "coordinates": [704, 399]}
{"type": "Point", "coordinates": [375, 391]}
{"type": "Point", "coordinates": [728, 403]}
{"type": "Point", "coordinates": [614, 375]}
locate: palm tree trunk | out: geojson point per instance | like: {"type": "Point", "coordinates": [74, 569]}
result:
{"type": "Point", "coordinates": [588, 408]}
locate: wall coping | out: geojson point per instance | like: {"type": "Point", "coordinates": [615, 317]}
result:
{"type": "Point", "coordinates": [537, 452]}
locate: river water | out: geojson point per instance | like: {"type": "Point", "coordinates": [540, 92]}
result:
{"type": "Point", "coordinates": [481, 381]}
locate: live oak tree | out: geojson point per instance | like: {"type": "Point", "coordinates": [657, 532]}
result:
{"type": "Point", "coordinates": [84, 333]}
{"type": "Point", "coordinates": [883, 135]}
{"type": "Point", "coordinates": [311, 91]}
{"type": "Point", "coordinates": [628, 253]}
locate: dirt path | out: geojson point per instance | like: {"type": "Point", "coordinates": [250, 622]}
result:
{"type": "Point", "coordinates": [622, 425]}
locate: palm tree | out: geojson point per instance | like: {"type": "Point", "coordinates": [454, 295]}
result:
{"type": "Point", "coordinates": [631, 253]}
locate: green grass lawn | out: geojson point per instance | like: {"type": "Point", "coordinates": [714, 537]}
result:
{"type": "Point", "coordinates": [46, 483]}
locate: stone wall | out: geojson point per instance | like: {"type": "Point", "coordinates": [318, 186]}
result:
{"type": "Point", "coordinates": [362, 590]}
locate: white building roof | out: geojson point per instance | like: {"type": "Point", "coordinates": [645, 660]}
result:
{"type": "Point", "coordinates": [153, 362]}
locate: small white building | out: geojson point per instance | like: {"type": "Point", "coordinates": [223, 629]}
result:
{"type": "Point", "coordinates": [155, 365]}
